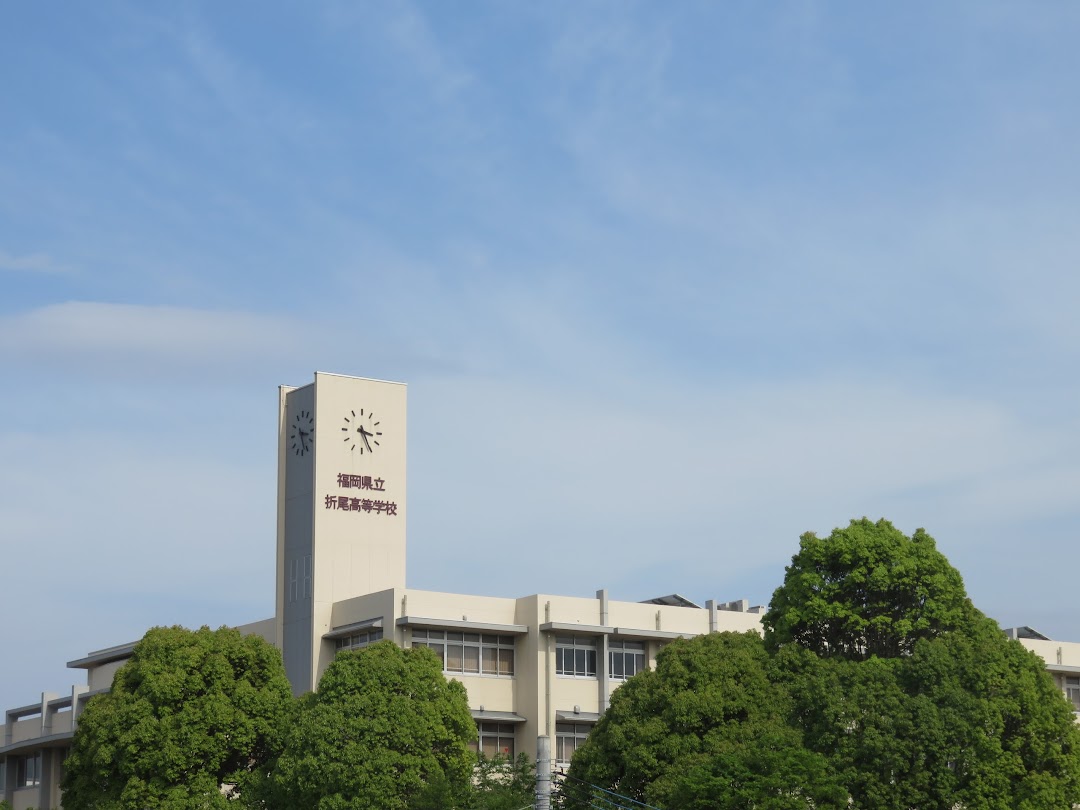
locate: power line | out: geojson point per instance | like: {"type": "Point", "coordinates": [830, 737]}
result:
{"type": "Point", "coordinates": [581, 786]}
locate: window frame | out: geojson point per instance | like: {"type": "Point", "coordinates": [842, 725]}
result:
{"type": "Point", "coordinates": [570, 731]}
{"type": "Point", "coordinates": [28, 770]}
{"type": "Point", "coordinates": [1071, 688]}
{"type": "Point", "coordinates": [580, 652]}
{"type": "Point", "coordinates": [492, 729]}
{"type": "Point", "coordinates": [359, 639]}
{"type": "Point", "coordinates": [624, 650]}
{"type": "Point", "coordinates": [464, 652]}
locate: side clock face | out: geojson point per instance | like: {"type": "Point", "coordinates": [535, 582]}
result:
{"type": "Point", "coordinates": [302, 433]}
{"type": "Point", "coordinates": [361, 431]}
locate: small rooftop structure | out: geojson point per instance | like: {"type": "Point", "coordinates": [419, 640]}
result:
{"type": "Point", "coordinates": [672, 600]}
{"type": "Point", "coordinates": [1026, 632]}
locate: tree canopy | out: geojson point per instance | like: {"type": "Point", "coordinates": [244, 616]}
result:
{"type": "Point", "coordinates": [878, 686]}
{"type": "Point", "coordinates": [384, 729]}
{"type": "Point", "coordinates": [189, 712]}
{"type": "Point", "coordinates": [866, 590]}
{"type": "Point", "coordinates": [707, 729]}
{"type": "Point", "coordinates": [915, 697]}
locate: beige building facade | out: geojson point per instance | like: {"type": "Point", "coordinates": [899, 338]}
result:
{"type": "Point", "coordinates": [542, 665]}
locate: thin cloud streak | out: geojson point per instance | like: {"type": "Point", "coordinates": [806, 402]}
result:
{"type": "Point", "coordinates": [77, 333]}
{"type": "Point", "coordinates": [32, 263]}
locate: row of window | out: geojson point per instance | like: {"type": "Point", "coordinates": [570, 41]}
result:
{"type": "Point", "coordinates": [576, 656]}
{"type": "Point", "coordinates": [491, 654]}
{"type": "Point", "coordinates": [475, 653]}
{"type": "Point", "coordinates": [359, 640]}
{"type": "Point", "coordinates": [495, 739]}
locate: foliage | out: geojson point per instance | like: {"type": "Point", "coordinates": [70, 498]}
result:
{"type": "Point", "coordinates": [189, 712]}
{"type": "Point", "coordinates": [706, 729]}
{"type": "Point", "coordinates": [969, 719]}
{"type": "Point", "coordinates": [384, 729]}
{"type": "Point", "coordinates": [878, 687]}
{"type": "Point", "coordinates": [915, 697]}
{"type": "Point", "coordinates": [501, 784]}
{"type": "Point", "coordinates": [866, 590]}
{"type": "Point", "coordinates": [496, 784]}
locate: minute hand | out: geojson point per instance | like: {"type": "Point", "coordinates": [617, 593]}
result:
{"type": "Point", "coordinates": [364, 435]}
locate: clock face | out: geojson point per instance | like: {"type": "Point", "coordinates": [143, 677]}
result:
{"type": "Point", "coordinates": [361, 431]}
{"type": "Point", "coordinates": [302, 433]}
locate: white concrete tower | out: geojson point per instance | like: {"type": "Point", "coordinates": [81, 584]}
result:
{"type": "Point", "coordinates": [341, 507]}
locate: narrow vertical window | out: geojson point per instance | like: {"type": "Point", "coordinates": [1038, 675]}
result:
{"type": "Point", "coordinates": [293, 578]}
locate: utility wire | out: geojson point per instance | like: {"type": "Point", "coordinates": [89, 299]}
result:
{"type": "Point", "coordinates": [587, 788]}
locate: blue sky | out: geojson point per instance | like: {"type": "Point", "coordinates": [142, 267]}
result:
{"type": "Point", "coordinates": [670, 284]}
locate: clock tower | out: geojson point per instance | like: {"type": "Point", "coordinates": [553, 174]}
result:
{"type": "Point", "coordinates": [341, 507]}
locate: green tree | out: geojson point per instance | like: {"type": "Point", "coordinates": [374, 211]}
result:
{"type": "Point", "coordinates": [501, 784]}
{"type": "Point", "coordinates": [915, 698]}
{"type": "Point", "coordinates": [866, 590]}
{"type": "Point", "coordinates": [189, 712]}
{"type": "Point", "coordinates": [384, 729]}
{"type": "Point", "coordinates": [707, 728]}
{"type": "Point", "coordinates": [496, 784]}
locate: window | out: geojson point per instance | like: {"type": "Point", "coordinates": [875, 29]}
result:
{"type": "Point", "coordinates": [495, 739]}
{"type": "Point", "coordinates": [28, 770]}
{"type": "Point", "coordinates": [1072, 691]}
{"type": "Point", "coordinates": [568, 737]}
{"type": "Point", "coordinates": [472, 653]}
{"type": "Point", "coordinates": [359, 640]}
{"type": "Point", "coordinates": [625, 659]}
{"type": "Point", "coordinates": [575, 656]}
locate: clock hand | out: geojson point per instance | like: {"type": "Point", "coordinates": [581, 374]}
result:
{"type": "Point", "coordinates": [363, 435]}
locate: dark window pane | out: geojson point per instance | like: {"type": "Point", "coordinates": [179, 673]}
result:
{"type": "Point", "coordinates": [453, 658]}
{"type": "Point", "coordinates": [472, 659]}
{"type": "Point", "coordinates": [490, 666]}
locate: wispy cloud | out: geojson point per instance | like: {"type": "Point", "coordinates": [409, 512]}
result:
{"type": "Point", "coordinates": [98, 337]}
{"type": "Point", "coordinates": [32, 263]}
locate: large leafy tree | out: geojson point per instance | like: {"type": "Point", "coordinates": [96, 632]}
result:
{"type": "Point", "coordinates": [866, 590]}
{"type": "Point", "coordinates": [189, 713]}
{"type": "Point", "coordinates": [915, 697]}
{"type": "Point", "coordinates": [497, 783]}
{"type": "Point", "coordinates": [707, 729]}
{"type": "Point", "coordinates": [384, 729]}
{"type": "Point", "coordinates": [878, 687]}
{"type": "Point", "coordinates": [967, 720]}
